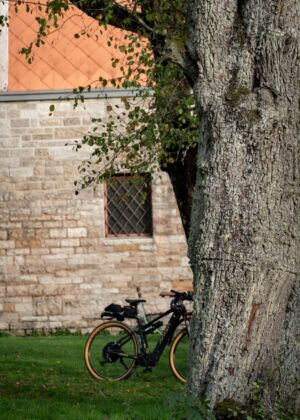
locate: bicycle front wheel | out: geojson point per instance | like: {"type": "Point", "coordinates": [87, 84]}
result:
{"type": "Point", "coordinates": [179, 355]}
{"type": "Point", "coordinates": [110, 351]}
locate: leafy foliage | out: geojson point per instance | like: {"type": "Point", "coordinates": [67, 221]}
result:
{"type": "Point", "coordinates": [155, 128]}
{"type": "Point", "coordinates": [159, 126]}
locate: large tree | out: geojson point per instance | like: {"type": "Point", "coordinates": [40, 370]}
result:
{"type": "Point", "coordinates": [244, 239]}
{"type": "Point", "coordinates": [241, 59]}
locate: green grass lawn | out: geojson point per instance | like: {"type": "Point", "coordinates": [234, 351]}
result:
{"type": "Point", "coordinates": [45, 378]}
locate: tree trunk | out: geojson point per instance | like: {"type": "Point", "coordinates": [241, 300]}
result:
{"type": "Point", "coordinates": [182, 174]}
{"type": "Point", "coordinates": [244, 238]}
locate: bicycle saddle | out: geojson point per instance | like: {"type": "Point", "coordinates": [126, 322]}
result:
{"type": "Point", "coordinates": [134, 302]}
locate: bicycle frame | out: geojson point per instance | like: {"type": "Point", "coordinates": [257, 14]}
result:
{"type": "Point", "coordinates": [166, 337]}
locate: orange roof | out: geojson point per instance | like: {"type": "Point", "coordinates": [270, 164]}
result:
{"type": "Point", "coordinates": [64, 62]}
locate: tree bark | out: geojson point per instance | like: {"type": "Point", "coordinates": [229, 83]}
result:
{"type": "Point", "coordinates": [244, 237]}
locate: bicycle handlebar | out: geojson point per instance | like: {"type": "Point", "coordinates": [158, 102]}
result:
{"type": "Point", "coordinates": [178, 295]}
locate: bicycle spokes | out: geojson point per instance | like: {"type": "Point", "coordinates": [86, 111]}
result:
{"type": "Point", "coordinates": [112, 354]}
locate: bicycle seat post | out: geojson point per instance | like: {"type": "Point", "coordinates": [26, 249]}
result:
{"type": "Point", "coordinates": [142, 313]}
{"type": "Point", "coordinates": [141, 308]}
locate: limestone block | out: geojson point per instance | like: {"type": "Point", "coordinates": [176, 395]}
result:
{"type": "Point", "coordinates": [8, 162]}
{"type": "Point", "coordinates": [54, 170]}
{"type": "Point", "coordinates": [23, 308]}
{"type": "Point", "coordinates": [9, 141]}
{"type": "Point", "coordinates": [89, 286]}
{"type": "Point", "coordinates": [55, 324]}
{"type": "Point", "coordinates": [27, 106]}
{"type": "Point", "coordinates": [34, 122]}
{"type": "Point", "coordinates": [71, 306]}
{"type": "Point", "coordinates": [13, 113]}
{"type": "Point", "coordinates": [125, 247]}
{"type": "Point", "coordinates": [36, 325]}
{"type": "Point", "coordinates": [89, 242]}
{"type": "Point", "coordinates": [52, 243]}
{"type": "Point", "coordinates": [9, 307]}
{"type": "Point", "coordinates": [25, 279]}
{"type": "Point", "coordinates": [21, 172]}
{"type": "Point", "coordinates": [7, 244]}
{"type": "Point", "coordinates": [20, 122]}
{"type": "Point", "coordinates": [23, 152]}
{"type": "Point", "coordinates": [9, 317]}
{"type": "Point", "coordinates": [77, 232]}
{"type": "Point", "coordinates": [69, 223]}
{"type": "Point", "coordinates": [70, 242]}
{"type": "Point", "coordinates": [58, 233]}
{"type": "Point", "coordinates": [47, 279]}
{"type": "Point", "coordinates": [47, 305]}
{"type": "Point", "coordinates": [57, 261]}
{"type": "Point", "coordinates": [42, 136]}
{"type": "Point", "coordinates": [6, 260]}
{"type": "Point", "coordinates": [60, 289]}
{"type": "Point", "coordinates": [23, 290]}
{"type": "Point", "coordinates": [77, 280]}
{"type": "Point", "coordinates": [95, 231]}
{"type": "Point", "coordinates": [52, 224]}
{"type": "Point", "coordinates": [142, 263]}
{"type": "Point", "coordinates": [4, 172]}
{"type": "Point", "coordinates": [67, 133]}
{"type": "Point", "coordinates": [71, 121]}
{"type": "Point", "coordinates": [40, 251]}
{"type": "Point", "coordinates": [62, 252]}
{"type": "Point", "coordinates": [28, 243]}
{"type": "Point", "coordinates": [33, 318]}
{"type": "Point", "coordinates": [4, 123]}
{"type": "Point", "coordinates": [33, 260]}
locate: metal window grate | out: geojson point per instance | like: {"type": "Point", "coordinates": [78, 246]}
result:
{"type": "Point", "coordinates": [128, 206]}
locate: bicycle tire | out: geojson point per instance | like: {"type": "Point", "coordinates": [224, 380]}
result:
{"type": "Point", "coordinates": [179, 355]}
{"type": "Point", "coordinates": [106, 348]}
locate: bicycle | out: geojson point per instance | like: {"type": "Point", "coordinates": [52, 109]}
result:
{"type": "Point", "coordinates": [113, 349]}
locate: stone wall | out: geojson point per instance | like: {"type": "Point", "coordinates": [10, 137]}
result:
{"type": "Point", "coordinates": [57, 268]}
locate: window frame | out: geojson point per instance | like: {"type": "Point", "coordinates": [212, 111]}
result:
{"type": "Point", "coordinates": [106, 212]}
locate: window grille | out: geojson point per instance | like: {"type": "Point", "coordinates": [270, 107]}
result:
{"type": "Point", "coordinates": [128, 209]}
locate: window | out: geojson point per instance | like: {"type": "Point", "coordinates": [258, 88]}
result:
{"type": "Point", "coordinates": [128, 210]}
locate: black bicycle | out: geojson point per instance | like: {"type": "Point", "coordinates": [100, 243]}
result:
{"type": "Point", "coordinates": [113, 350]}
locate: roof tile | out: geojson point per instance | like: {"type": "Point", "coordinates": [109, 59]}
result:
{"type": "Point", "coordinates": [64, 61]}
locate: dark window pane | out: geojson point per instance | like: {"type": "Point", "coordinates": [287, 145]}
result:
{"type": "Point", "coordinates": [128, 206]}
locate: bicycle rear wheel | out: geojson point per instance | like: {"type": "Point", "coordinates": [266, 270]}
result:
{"type": "Point", "coordinates": [110, 351]}
{"type": "Point", "coordinates": [179, 355]}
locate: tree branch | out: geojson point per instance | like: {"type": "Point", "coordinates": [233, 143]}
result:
{"type": "Point", "coordinates": [165, 45]}
{"type": "Point", "coordinates": [119, 15]}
